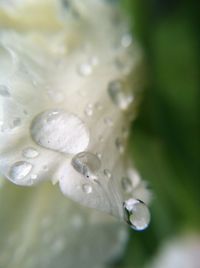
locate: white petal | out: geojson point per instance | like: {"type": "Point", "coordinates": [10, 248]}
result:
{"type": "Point", "coordinates": [70, 91]}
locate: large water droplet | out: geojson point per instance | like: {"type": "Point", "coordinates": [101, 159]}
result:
{"type": "Point", "coordinates": [60, 131]}
{"type": "Point", "coordinates": [87, 164]}
{"type": "Point", "coordinates": [30, 152]}
{"type": "Point", "coordinates": [137, 214]}
{"type": "Point", "coordinates": [19, 172]}
{"type": "Point", "coordinates": [120, 94]}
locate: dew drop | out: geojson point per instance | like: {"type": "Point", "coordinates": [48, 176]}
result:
{"type": "Point", "coordinates": [60, 131]}
{"type": "Point", "coordinates": [87, 164]}
{"type": "Point", "coordinates": [4, 92]}
{"type": "Point", "coordinates": [137, 214]}
{"type": "Point", "coordinates": [120, 145]}
{"type": "Point", "coordinates": [19, 171]}
{"type": "Point", "coordinates": [120, 94]}
{"type": "Point", "coordinates": [87, 188]}
{"type": "Point", "coordinates": [107, 173]}
{"type": "Point", "coordinates": [30, 152]}
{"type": "Point", "coordinates": [89, 110]}
{"type": "Point", "coordinates": [127, 185]}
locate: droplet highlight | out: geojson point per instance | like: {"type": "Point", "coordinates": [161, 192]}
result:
{"type": "Point", "coordinates": [87, 188]}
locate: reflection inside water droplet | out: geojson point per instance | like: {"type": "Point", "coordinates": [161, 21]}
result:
{"type": "Point", "coordinates": [137, 214]}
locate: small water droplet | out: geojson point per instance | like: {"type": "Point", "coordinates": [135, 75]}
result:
{"type": "Point", "coordinates": [60, 131]}
{"type": "Point", "coordinates": [120, 94]}
{"type": "Point", "coordinates": [120, 145]}
{"type": "Point", "coordinates": [4, 92]}
{"type": "Point", "coordinates": [33, 176]}
{"type": "Point", "coordinates": [101, 139]}
{"type": "Point", "coordinates": [137, 214]}
{"type": "Point", "coordinates": [87, 188]}
{"type": "Point", "coordinates": [127, 185]}
{"type": "Point", "coordinates": [89, 110]}
{"type": "Point", "coordinates": [99, 155]}
{"type": "Point", "coordinates": [85, 69]}
{"type": "Point", "coordinates": [107, 173]}
{"type": "Point", "coordinates": [19, 171]}
{"type": "Point", "coordinates": [30, 152]}
{"type": "Point", "coordinates": [87, 164]}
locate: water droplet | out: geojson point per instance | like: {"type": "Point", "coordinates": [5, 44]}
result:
{"type": "Point", "coordinates": [126, 40]}
{"type": "Point", "coordinates": [107, 173]}
{"type": "Point", "coordinates": [4, 92]}
{"type": "Point", "coordinates": [87, 188]}
{"type": "Point", "coordinates": [30, 152]}
{"type": "Point", "coordinates": [120, 145]}
{"type": "Point", "coordinates": [137, 214]}
{"type": "Point", "coordinates": [87, 164]}
{"type": "Point", "coordinates": [120, 94]}
{"type": "Point", "coordinates": [60, 131]}
{"type": "Point", "coordinates": [85, 69]}
{"type": "Point", "coordinates": [127, 185]}
{"type": "Point", "coordinates": [89, 110]}
{"type": "Point", "coordinates": [19, 171]}
{"type": "Point", "coordinates": [99, 155]}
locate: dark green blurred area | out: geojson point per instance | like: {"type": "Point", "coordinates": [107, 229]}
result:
{"type": "Point", "coordinates": [165, 137]}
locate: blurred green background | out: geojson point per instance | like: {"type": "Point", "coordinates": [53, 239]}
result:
{"type": "Point", "coordinates": [165, 136]}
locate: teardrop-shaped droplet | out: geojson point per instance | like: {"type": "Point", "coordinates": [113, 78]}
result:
{"type": "Point", "coordinates": [120, 145]}
{"type": "Point", "coordinates": [19, 171]}
{"type": "Point", "coordinates": [120, 94]}
{"type": "Point", "coordinates": [87, 164]}
{"type": "Point", "coordinates": [30, 152]}
{"type": "Point", "coordinates": [107, 173]}
{"type": "Point", "coordinates": [137, 214]}
{"type": "Point", "coordinates": [60, 131]}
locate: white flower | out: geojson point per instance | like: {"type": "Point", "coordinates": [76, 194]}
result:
{"type": "Point", "coordinates": [68, 92]}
